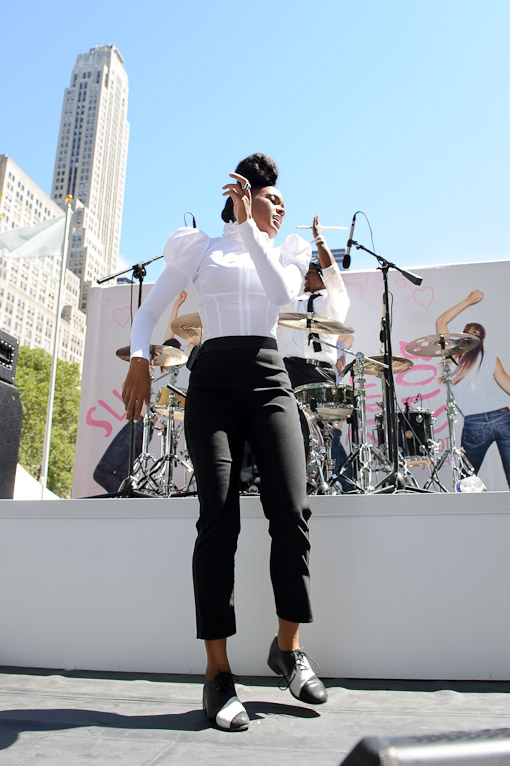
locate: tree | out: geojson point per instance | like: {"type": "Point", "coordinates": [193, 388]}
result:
{"type": "Point", "coordinates": [33, 381]}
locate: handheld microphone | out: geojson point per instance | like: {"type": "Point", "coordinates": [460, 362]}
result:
{"type": "Point", "coordinates": [347, 257]}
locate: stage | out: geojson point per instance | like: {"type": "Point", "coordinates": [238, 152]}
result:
{"type": "Point", "coordinates": [405, 586]}
{"type": "Point", "coordinates": [78, 718]}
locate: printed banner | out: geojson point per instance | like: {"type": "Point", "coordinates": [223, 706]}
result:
{"type": "Point", "coordinates": [414, 311]}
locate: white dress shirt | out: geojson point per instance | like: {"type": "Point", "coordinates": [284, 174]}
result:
{"type": "Point", "coordinates": [333, 302]}
{"type": "Point", "coordinates": [241, 281]}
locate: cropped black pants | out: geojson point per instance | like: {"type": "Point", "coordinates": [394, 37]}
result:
{"type": "Point", "coordinates": [239, 391]}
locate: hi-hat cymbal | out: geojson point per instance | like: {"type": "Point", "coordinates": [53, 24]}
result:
{"type": "Point", "coordinates": [162, 356]}
{"type": "Point", "coordinates": [448, 344]}
{"type": "Point", "coordinates": [315, 324]}
{"type": "Point", "coordinates": [400, 364]}
{"type": "Point", "coordinates": [188, 326]}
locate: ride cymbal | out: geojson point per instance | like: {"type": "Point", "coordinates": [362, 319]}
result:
{"type": "Point", "coordinates": [188, 326]}
{"type": "Point", "coordinates": [162, 356]}
{"type": "Point", "coordinates": [400, 364]}
{"type": "Point", "coordinates": [446, 344]}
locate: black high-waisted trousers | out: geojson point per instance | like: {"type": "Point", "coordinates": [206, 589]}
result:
{"type": "Point", "coordinates": [239, 390]}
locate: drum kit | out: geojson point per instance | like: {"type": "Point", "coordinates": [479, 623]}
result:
{"type": "Point", "coordinates": [152, 475]}
{"type": "Point", "coordinates": [323, 407]}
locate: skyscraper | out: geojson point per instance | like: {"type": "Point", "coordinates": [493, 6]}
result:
{"type": "Point", "coordinates": [91, 161]}
{"type": "Point", "coordinates": [29, 286]}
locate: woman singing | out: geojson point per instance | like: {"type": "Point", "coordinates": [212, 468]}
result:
{"type": "Point", "coordinates": [481, 388]}
{"type": "Point", "coordinates": [239, 391]}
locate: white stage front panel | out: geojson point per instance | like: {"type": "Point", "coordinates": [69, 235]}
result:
{"type": "Point", "coordinates": [404, 586]}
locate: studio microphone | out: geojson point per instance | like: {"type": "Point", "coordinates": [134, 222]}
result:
{"type": "Point", "coordinates": [347, 257]}
{"type": "Point", "coordinates": [192, 216]}
{"type": "Point", "coordinates": [347, 369]}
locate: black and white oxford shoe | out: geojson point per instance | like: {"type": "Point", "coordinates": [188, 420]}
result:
{"type": "Point", "coordinates": [221, 704]}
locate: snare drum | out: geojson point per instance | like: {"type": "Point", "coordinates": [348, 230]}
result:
{"type": "Point", "coordinates": [166, 399]}
{"type": "Point", "coordinates": [331, 401]}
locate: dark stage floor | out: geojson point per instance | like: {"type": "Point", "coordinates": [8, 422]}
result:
{"type": "Point", "coordinates": [78, 718]}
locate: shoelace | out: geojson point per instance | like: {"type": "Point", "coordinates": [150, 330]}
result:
{"type": "Point", "coordinates": [225, 682]}
{"type": "Point", "coordinates": [303, 661]}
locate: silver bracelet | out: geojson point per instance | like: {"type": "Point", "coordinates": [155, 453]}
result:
{"type": "Point", "coordinates": [318, 240]}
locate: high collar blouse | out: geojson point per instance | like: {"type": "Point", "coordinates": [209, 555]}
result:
{"type": "Point", "coordinates": [241, 281]}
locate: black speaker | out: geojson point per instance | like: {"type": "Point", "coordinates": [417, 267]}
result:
{"type": "Point", "coordinates": [11, 416]}
{"type": "Point", "coordinates": [479, 748]}
{"type": "Point", "coordinates": [9, 346]}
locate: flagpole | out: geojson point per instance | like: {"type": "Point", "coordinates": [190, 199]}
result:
{"type": "Point", "coordinates": [51, 394]}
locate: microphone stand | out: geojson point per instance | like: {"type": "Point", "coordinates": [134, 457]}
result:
{"type": "Point", "coordinates": [139, 272]}
{"type": "Point", "coordinates": [394, 480]}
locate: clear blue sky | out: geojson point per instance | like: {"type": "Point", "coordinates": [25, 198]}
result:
{"type": "Point", "coordinates": [397, 108]}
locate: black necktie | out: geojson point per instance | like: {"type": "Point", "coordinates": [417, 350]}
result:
{"type": "Point", "coordinates": [312, 336]}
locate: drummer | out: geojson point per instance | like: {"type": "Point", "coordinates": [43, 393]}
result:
{"type": "Point", "coordinates": [307, 359]}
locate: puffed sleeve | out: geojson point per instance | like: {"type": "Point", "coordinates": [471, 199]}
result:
{"type": "Point", "coordinates": [299, 252]}
{"type": "Point", "coordinates": [183, 253]}
{"type": "Point", "coordinates": [280, 270]}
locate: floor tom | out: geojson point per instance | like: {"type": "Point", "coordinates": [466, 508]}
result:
{"type": "Point", "coordinates": [415, 434]}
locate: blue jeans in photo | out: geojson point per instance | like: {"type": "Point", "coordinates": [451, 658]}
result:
{"type": "Point", "coordinates": [481, 430]}
{"type": "Point", "coordinates": [339, 455]}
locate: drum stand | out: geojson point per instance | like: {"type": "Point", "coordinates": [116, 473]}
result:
{"type": "Point", "coordinates": [460, 465]}
{"type": "Point", "coordinates": [159, 479]}
{"type": "Point", "coordinates": [139, 272]}
{"type": "Point", "coordinates": [325, 467]}
{"type": "Point", "coordinates": [364, 453]}
{"type": "Point", "coordinates": [394, 480]}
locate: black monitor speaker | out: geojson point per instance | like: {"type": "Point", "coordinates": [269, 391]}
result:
{"type": "Point", "coordinates": [9, 346]}
{"type": "Point", "coordinates": [11, 416]}
{"type": "Point", "coordinates": [479, 748]}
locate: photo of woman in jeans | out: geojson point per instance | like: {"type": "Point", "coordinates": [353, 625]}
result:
{"type": "Point", "coordinates": [481, 389]}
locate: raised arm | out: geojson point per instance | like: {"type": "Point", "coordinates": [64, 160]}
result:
{"type": "Point", "coordinates": [281, 280]}
{"type": "Point", "coordinates": [169, 333]}
{"type": "Point", "coordinates": [475, 296]}
{"type": "Point", "coordinates": [281, 277]}
{"type": "Point", "coordinates": [326, 257]}
{"type": "Point", "coordinates": [338, 298]}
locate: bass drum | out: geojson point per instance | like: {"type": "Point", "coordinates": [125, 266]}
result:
{"type": "Point", "coordinates": [315, 457]}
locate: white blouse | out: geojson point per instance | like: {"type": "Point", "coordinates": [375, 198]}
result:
{"type": "Point", "coordinates": [240, 278]}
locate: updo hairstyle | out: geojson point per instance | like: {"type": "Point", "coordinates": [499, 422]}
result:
{"type": "Point", "coordinates": [260, 170]}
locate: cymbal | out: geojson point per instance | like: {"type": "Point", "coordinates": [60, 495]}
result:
{"type": "Point", "coordinates": [400, 364]}
{"type": "Point", "coordinates": [317, 324]}
{"type": "Point", "coordinates": [188, 326]}
{"type": "Point", "coordinates": [162, 356]}
{"type": "Point", "coordinates": [448, 344]}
